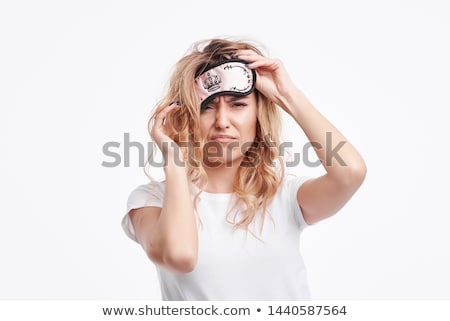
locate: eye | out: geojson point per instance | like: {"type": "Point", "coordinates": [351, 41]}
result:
{"type": "Point", "coordinates": [239, 104]}
{"type": "Point", "coordinates": [206, 108]}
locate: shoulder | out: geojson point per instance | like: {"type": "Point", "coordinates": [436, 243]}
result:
{"type": "Point", "coordinates": [291, 183]}
{"type": "Point", "coordinates": [145, 194]}
{"type": "Point", "coordinates": [285, 199]}
{"type": "Point", "coordinates": [150, 194]}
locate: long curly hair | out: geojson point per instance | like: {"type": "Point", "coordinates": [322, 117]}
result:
{"type": "Point", "coordinates": [262, 169]}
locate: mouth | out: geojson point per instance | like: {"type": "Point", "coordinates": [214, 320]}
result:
{"type": "Point", "coordinates": [222, 138]}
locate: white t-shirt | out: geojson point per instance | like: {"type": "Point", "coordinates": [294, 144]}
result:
{"type": "Point", "coordinates": [232, 264]}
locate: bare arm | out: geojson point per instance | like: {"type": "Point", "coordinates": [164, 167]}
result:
{"type": "Point", "coordinates": [169, 235]}
{"type": "Point", "coordinates": [323, 196]}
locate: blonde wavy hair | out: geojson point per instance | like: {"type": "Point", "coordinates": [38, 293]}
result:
{"type": "Point", "coordinates": [262, 168]}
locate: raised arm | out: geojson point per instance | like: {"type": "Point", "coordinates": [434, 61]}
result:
{"type": "Point", "coordinates": [323, 196]}
{"type": "Point", "coordinates": [169, 234]}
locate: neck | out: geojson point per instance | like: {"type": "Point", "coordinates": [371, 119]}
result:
{"type": "Point", "coordinates": [221, 179]}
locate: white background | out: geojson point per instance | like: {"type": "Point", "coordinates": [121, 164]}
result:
{"type": "Point", "coordinates": [76, 75]}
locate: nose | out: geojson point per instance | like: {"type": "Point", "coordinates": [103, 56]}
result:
{"type": "Point", "coordinates": [222, 120]}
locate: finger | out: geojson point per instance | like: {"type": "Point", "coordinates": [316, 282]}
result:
{"type": "Point", "coordinates": [161, 116]}
{"type": "Point", "coordinates": [170, 108]}
{"type": "Point", "coordinates": [248, 55]}
{"type": "Point", "coordinates": [264, 63]}
{"type": "Point", "coordinates": [255, 60]}
{"type": "Point", "coordinates": [158, 127]}
{"type": "Point", "coordinates": [247, 52]}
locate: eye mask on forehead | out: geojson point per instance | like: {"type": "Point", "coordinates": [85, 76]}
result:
{"type": "Point", "coordinates": [230, 77]}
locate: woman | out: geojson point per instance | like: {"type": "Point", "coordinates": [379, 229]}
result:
{"type": "Point", "coordinates": [225, 224]}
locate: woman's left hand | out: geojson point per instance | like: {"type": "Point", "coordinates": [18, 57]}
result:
{"type": "Point", "coordinates": [273, 80]}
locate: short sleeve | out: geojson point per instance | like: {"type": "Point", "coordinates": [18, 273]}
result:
{"type": "Point", "coordinates": [292, 184]}
{"type": "Point", "coordinates": [151, 194]}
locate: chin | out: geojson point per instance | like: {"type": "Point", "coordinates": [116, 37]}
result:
{"type": "Point", "coordinates": [220, 162]}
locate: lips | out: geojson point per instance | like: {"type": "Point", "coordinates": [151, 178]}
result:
{"type": "Point", "coordinates": [221, 138]}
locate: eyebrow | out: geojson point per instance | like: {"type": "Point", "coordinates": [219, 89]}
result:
{"type": "Point", "coordinates": [234, 98]}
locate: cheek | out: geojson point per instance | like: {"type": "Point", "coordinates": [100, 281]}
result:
{"type": "Point", "coordinates": [204, 125]}
{"type": "Point", "coordinates": [249, 131]}
{"type": "Point", "coordinates": [248, 125]}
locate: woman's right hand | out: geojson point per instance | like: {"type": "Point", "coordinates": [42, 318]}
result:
{"type": "Point", "coordinates": [160, 133]}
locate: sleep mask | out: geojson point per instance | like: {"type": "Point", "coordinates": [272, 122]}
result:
{"type": "Point", "coordinates": [229, 77]}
